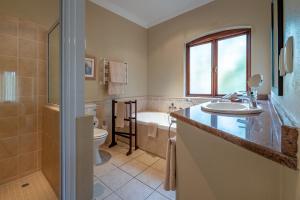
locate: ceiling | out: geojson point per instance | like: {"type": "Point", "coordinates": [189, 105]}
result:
{"type": "Point", "coordinates": [148, 13]}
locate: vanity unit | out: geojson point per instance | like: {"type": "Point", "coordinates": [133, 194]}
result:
{"type": "Point", "coordinates": [235, 157]}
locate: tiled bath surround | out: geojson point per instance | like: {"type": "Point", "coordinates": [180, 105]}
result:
{"type": "Point", "coordinates": [23, 55]}
{"type": "Point", "coordinates": [145, 103]}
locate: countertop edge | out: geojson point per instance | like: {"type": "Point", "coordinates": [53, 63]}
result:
{"type": "Point", "coordinates": [288, 161]}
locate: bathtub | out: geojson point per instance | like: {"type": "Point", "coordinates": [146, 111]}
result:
{"type": "Point", "coordinates": [157, 145]}
{"type": "Point", "coordinates": [162, 119]}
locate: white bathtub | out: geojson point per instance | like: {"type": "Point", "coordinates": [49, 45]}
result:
{"type": "Point", "coordinates": [162, 119]}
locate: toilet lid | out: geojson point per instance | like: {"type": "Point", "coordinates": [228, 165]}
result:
{"type": "Point", "coordinates": [100, 133]}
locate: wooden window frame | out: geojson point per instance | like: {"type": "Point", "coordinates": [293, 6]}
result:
{"type": "Point", "coordinates": [213, 39]}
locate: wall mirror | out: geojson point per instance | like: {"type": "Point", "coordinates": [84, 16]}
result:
{"type": "Point", "coordinates": [277, 44]}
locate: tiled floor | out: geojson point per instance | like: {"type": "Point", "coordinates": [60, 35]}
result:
{"type": "Point", "coordinates": [139, 176]}
{"type": "Point", "coordinates": [38, 189]}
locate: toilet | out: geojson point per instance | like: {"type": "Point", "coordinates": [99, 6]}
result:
{"type": "Point", "coordinates": [100, 135]}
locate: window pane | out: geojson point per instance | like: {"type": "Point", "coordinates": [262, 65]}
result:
{"type": "Point", "coordinates": [232, 64]}
{"type": "Point", "coordinates": [200, 69]}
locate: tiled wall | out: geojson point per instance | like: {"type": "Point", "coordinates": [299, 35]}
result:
{"type": "Point", "coordinates": [51, 147]}
{"type": "Point", "coordinates": [23, 55]}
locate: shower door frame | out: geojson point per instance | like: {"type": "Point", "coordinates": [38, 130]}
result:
{"type": "Point", "coordinates": [72, 20]}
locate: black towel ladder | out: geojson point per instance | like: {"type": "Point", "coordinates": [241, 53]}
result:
{"type": "Point", "coordinates": [129, 135]}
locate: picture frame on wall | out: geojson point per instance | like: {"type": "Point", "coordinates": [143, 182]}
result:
{"type": "Point", "coordinates": [90, 68]}
{"type": "Point", "coordinates": [277, 44]}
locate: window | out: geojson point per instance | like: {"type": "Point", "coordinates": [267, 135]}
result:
{"type": "Point", "coordinates": [218, 64]}
{"type": "Point", "coordinates": [8, 86]}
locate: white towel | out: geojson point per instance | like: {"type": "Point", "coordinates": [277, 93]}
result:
{"type": "Point", "coordinates": [170, 176]}
{"type": "Point", "coordinates": [152, 130]}
{"type": "Point", "coordinates": [118, 72]}
{"type": "Point", "coordinates": [120, 111]}
{"type": "Point", "coordinates": [281, 63]}
{"type": "Point", "coordinates": [116, 88]}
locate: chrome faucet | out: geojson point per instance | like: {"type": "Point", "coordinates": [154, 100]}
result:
{"type": "Point", "coordinates": [251, 97]}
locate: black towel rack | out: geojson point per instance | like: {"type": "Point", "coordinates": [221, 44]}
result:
{"type": "Point", "coordinates": [129, 135]}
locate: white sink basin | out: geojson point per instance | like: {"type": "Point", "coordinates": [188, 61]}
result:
{"type": "Point", "coordinates": [230, 108]}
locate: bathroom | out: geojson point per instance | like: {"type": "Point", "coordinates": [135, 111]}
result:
{"type": "Point", "coordinates": [154, 43]}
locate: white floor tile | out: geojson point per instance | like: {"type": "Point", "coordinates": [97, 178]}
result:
{"type": "Point", "coordinates": [151, 177]}
{"type": "Point", "coordinates": [156, 196]}
{"type": "Point", "coordinates": [134, 167]}
{"type": "Point", "coordinates": [115, 179]}
{"type": "Point", "coordinates": [100, 190]}
{"type": "Point", "coordinates": [160, 165]}
{"type": "Point", "coordinates": [119, 159]}
{"type": "Point", "coordinates": [136, 153]}
{"type": "Point", "coordinates": [147, 159]}
{"type": "Point", "coordinates": [101, 170]}
{"type": "Point", "coordinates": [169, 194]}
{"type": "Point", "coordinates": [134, 190]}
{"type": "Point", "coordinates": [113, 197]}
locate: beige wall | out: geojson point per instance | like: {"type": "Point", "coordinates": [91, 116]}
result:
{"type": "Point", "coordinates": [290, 99]}
{"type": "Point", "coordinates": [166, 41]}
{"type": "Point", "coordinates": [113, 37]}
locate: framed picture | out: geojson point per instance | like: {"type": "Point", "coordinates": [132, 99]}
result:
{"type": "Point", "coordinates": [90, 68]}
{"type": "Point", "coordinates": [277, 44]}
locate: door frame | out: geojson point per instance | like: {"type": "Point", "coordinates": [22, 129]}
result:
{"type": "Point", "coordinates": [72, 20]}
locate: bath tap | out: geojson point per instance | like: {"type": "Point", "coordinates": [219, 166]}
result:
{"type": "Point", "coordinates": [172, 107]}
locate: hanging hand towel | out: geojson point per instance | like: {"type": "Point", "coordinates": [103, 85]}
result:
{"type": "Point", "coordinates": [120, 114]}
{"type": "Point", "coordinates": [118, 72]}
{"type": "Point", "coordinates": [170, 176]}
{"type": "Point", "coordinates": [152, 130]}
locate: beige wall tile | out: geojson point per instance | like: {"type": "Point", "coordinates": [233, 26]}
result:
{"type": "Point", "coordinates": [20, 143]}
{"type": "Point", "coordinates": [42, 68]}
{"type": "Point", "coordinates": [9, 147]}
{"type": "Point", "coordinates": [8, 169]}
{"type": "Point", "coordinates": [27, 67]}
{"type": "Point", "coordinates": [40, 122]}
{"type": "Point", "coordinates": [8, 63]}
{"type": "Point", "coordinates": [8, 110]}
{"type": "Point", "coordinates": [28, 142]}
{"type": "Point", "coordinates": [28, 163]}
{"type": "Point", "coordinates": [27, 105]}
{"type": "Point", "coordinates": [28, 30]}
{"type": "Point", "coordinates": [41, 102]}
{"type": "Point", "coordinates": [8, 45]}
{"type": "Point", "coordinates": [42, 35]}
{"type": "Point", "coordinates": [27, 48]}
{"type": "Point", "coordinates": [42, 51]}
{"type": "Point", "coordinates": [8, 127]}
{"type": "Point", "coordinates": [26, 86]}
{"type": "Point", "coordinates": [42, 86]}
{"type": "Point", "coordinates": [8, 26]}
{"type": "Point", "coordinates": [39, 140]}
{"type": "Point", "coordinates": [27, 124]}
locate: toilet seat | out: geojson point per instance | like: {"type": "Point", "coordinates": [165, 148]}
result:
{"type": "Point", "coordinates": [100, 133]}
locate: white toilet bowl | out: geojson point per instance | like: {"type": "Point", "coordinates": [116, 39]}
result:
{"type": "Point", "coordinates": [100, 136]}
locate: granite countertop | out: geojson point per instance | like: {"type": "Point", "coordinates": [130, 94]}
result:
{"type": "Point", "coordinates": [261, 133]}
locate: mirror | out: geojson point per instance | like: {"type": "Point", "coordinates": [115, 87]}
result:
{"type": "Point", "coordinates": [277, 45]}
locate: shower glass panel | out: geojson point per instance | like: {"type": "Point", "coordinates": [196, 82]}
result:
{"type": "Point", "coordinates": [54, 65]}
